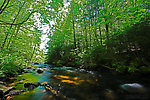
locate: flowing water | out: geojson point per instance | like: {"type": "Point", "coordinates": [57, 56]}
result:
{"type": "Point", "coordinates": [68, 83]}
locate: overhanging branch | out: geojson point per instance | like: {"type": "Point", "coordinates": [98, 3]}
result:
{"type": "Point", "coordinates": [4, 7]}
{"type": "Point", "coordinates": [7, 23]}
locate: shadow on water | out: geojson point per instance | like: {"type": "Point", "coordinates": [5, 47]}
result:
{"type": "Point", "coordinates": [67, 83]}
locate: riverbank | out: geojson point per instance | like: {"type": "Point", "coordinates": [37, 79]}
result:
{"type": "Point", "coordinates": [25, 81]}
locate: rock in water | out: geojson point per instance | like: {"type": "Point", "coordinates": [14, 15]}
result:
{"type": "Point", "coordinates": [31, 86]}
{"type": "Point", "coordinates": [40, 71]}
{"type": "Point", "coordinates": [5, 90]}
{"type": "Point", "coordinates": [29, 67]}
{"type": "Point", "coordinates": [133, 88]}
{"type": "Point", "coordinates": [36, 63]}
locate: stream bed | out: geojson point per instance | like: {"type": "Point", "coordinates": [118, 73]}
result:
{"type": "Point", "coordinates": [68, 83]}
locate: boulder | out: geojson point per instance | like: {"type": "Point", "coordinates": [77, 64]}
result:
{"type": "Point", "coordinates": [33, 68]}
{"type": "Point", "coordinates": [15, 92]}
{"type": "Point", "coordinates": [28, 71]}
{"type": "Point", "coordinates": [29, 67]}
{"type": "Point", "coordinates": [3, 83]}
{"type": "Point", "coordinates": [40, 70]}
{"type": "Point", "coordinates": [36, 63]}
{"type": "Point", "coordinates": [133, 88]}
{"type": "Point", "coordinates": [31, 86]}
{"type": "Point", "coordinates": [5, 90]}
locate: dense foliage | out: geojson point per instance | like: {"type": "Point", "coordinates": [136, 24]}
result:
{"type": "Point", "coordinates": [95, 34]}
{"type": "Point", "coordinates": [19, 35]}
{"type": "Point", "coordinates": [100, 34]}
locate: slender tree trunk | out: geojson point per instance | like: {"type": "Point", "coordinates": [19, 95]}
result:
{"type": "Point", "coordinates": [13, 36]}
{"type": "Point", "coordinates": [6, 38]}
{"type": "Point", "coordinates": [95, 33]}
{"type": "Point", "coordinates": [74, 35]}
{"type": "Point", "coordinates": [33, 52]}
{"type": "Point", "coordinates": [101, 41]}
{"type": "Point", "coordinates": [83, 45]}
{"type": "Point", "coordinates": [90, 35]}
{"type": "Point", "coordinates": [11, 26]}
{"type": "Point", "coordinates": [86, 41]}
{"type": "Point", "coordinates": [107, 35]}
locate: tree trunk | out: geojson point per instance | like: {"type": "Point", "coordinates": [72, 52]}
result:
{"type": "Point", "coordinates": [101, 41]}
{"type": "Point", "coordinates": [12, 36]}
{"type": "Point", "coordinates": [107, 35]}
{"type": "Point", "coordinates": [11, 26]}
{"type": "Point", "coordinates": [74, 35]}
{"type": "Point", "coordinates": [33, 52]}
{"type": "Point", "coordinates": [86, 41]}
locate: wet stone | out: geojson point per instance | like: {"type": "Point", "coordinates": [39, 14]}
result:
{"type": "Point", "coordinates": [40, 71]}
{"type": "Point", "coordinates": [5, 90]}
{"type": "Point", "coordinates": [31, 86]}
{"type": "Point", "coordinates": [36, 63]}
{"type": "Point", "coordinates": [15, 92]}
{"type": "Point", "coordinates": [133, 88]}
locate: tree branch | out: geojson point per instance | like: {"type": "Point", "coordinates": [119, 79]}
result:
{"type": "Point", "coordinates": [4, 7]}
{"type": "Point", "coordinates": [7, 23]}
{"type": "Point", "coordinates": [27, 29]}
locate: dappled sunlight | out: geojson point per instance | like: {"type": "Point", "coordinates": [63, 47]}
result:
{"type": "Point", "coordinates": [9, 98]}
{"type": "Point", "coordinates": [61, 76]}
{"type": "Point", "coordinates": [74, 80]}
{"type": "Point", "coordinates": [12, 78]}
{"type": "Point", "coordinates": [45, 82]}
{"type": "Point", "coordinates": [20, 75]}
{"type": "Point", "coordinates": [12, 84]}
{"type": "Point", "coordinates": [69, 81]}
{"type": "Point", "coordinates": [20, 80]}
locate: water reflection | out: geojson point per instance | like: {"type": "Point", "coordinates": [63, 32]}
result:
{"type": "Point", "coordinates": [70, 85]}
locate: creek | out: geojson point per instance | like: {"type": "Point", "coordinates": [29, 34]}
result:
{"type": "Point", "coordinates": [68, 83]}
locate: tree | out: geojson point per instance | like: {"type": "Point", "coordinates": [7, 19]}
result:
{"type": "Point", "coordinates": [97, 29]}
{"type": "Point", "coordinates": [20, 36]}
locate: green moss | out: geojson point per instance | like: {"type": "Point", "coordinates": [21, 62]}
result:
{"type": "Point", "coordinates": [24, 78]}
{"type": "Point", "coordinates": [35, 65]}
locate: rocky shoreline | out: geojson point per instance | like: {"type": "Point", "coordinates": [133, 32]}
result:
{"type": "Point", "coordinates": [7, 91]}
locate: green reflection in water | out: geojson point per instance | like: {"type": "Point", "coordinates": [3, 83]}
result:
{"type": "Point", "coordinates": [22, 79]}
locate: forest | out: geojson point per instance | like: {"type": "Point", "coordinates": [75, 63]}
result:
{"type": "Point", "coordinates": [101, 35]}
{"type": "Point", "coordinates": [93, 34]}
{"type": "Point", "coordinates": [19, 36]}
{"type": "Point", "coordinates": [66, 49]}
